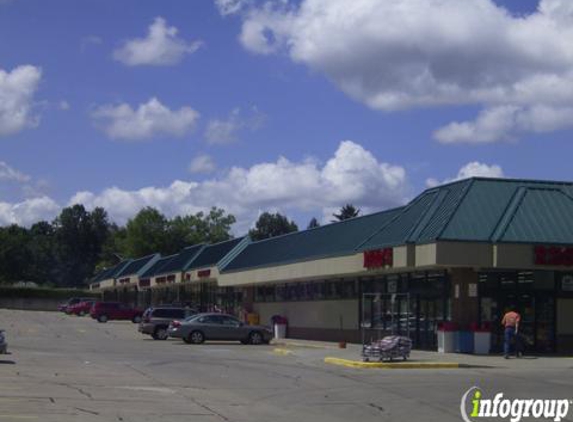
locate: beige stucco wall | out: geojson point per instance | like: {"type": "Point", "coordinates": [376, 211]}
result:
{"type": "Point", "coordinates": [465, 254]}
{"type": "Point", "coordinates": [110, 282]}
{"type": "Point", "coordinates": [513, 256]}
{"type": "Point", "coordinates": [312, 314]}
{"type": "Point", "coordinates": [404, 256]}
{"type": "Point", "coordinates": [426, 255]}
{"type": "Point", "coordinates": [328, 267]}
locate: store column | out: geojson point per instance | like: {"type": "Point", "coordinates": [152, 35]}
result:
{"type": "Point", "coordinates": [464, 294]}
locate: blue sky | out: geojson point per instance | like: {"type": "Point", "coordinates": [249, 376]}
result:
{"type": "Point", "coordinates": [296, 107]}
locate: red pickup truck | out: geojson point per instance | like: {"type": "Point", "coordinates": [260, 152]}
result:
{"type": "Point", "coordinates": [106, 311]}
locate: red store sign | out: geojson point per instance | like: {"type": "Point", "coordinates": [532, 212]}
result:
{"type": "Point", "coordinates": [554, 255]}
{"type": "Point", "coordinates": [203, 273]}
{"type": "Point", "coordinates": [378, 258]}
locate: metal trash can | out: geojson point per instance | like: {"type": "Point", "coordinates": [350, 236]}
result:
{"type": "Point", "coordinates": [446, 337]}
{"type": "Point", "coordinates": [280, 330]}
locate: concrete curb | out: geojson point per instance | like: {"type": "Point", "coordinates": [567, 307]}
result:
{"type": "Point", "coordinates": [391, 365]}
{"type": "Point", "coordinates": [302, 345]}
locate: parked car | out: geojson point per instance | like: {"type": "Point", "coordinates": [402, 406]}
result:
{"type": "Point", "coordinates": [82, 308]}
{"type": "Point", "coordinates": [155, 321]}
{"type": "Point", "coordinates": [213, 326]}
{"type": "Point", "coordinates": [106, 311]}
{"type": "Point", "coordinates": [3, 343]}
{"type": "Point", "coordinates": [64, 307]}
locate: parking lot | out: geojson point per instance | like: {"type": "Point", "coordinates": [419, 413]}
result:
{"type": "Point", "coordinates": [65, 368]}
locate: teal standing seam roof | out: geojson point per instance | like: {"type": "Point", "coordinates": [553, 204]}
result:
{"type": "Point", "coordinates": [544, 216]}
{"type": "Point", "coordinates": [328, 240]}
{"type": "Point", "coordinates": [136, 265]}
{"type": "Point", "coordinates": [211, 254]}
{"type": "Point", "coordinates": [180, 262]}
{"type": "Point", "coordinates": [110, 272]}
{"type": "Point", "coordinates": [157, 267]}
{"type": "Point", "coordinates": [399, 228]}
{"type": "Point", "coordinates": [474, 210]}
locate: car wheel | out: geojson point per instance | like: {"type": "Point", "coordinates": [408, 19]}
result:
{"type": "Point", "coordinates": [196, 337]}
{"type": "Point", "coordinates": [102, 318]}
{"type": "Point", "coordinates": [136, 319]}
{"type": "Point", "coordinates": [256, 338]}
{"type": "Point", "coordinates": [160, 333]}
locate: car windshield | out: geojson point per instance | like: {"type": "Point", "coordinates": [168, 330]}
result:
{"type": "Point", "coordinates": [191, 318]}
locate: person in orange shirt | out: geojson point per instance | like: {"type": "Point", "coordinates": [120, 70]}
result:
{"type": "Point", "coordinates": [510, 322]}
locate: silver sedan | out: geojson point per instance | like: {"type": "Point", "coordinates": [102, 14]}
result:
{"type": "Point", "coordinates": [211, 326]}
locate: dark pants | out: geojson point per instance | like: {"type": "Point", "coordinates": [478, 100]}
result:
{"type": "Point", "coordinates": [508, 337]}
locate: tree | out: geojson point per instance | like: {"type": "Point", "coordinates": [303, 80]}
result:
{"type": "Point", "coordinates": [79, 237]}
{"type": "Point", "coordinates": [200, 228]}
{"type": "Point", "coordinates": [146, 233]}
{"type": "Point", "coordinates": [346, 212]}
{"type": "Point", "coordinates": [313, 223]}
{"type": "Point", "coordinates": [43, 266]}
{"type": "Point", "coordinates": [14, 253]}
{"type": "Point", "coordinates": [271, 225]}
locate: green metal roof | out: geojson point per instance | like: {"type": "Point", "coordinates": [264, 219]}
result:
{"type": "Point", "coordinates": [180, 261]}
{"type": "Point", "coordinates": [210, 255]}
{"type": "Point", "coordinates": [476, 210]}
{"type": "Point", "coordinates": [328, 240]}
{"type": "Point", "coordinates": [136, 266]}
{"type": "Point", "coordinates": [157, 267]}
{"type": "Point", "coordinates": [109, 272]}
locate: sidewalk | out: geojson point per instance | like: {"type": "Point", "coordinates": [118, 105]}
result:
{"type": "Point", "coordinates": [331, 353]}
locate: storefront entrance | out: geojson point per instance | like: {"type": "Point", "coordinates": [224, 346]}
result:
{"type": "Point", "coordinates": [407, 304]}
{"type": "Point", "coordinates": [532, 295]}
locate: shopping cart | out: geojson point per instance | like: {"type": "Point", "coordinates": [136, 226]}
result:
{"type": "Point", "coordinates": [388, 348]}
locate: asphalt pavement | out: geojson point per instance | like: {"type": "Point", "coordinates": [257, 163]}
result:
{"type": "Point", "coordinates": [64, 368]}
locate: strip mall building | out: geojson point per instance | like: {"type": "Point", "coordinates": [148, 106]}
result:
{"type": "Point", "coordinates": [460, 252]}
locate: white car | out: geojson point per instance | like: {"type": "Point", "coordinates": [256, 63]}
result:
{"type": "Point", "coordinates": [3, 344]}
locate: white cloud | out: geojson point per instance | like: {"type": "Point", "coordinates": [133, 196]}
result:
{"type": "Point", "coordinates": [472, 169]}
{"type": "Point", "coordinates": [161, 47]}
{"type": "Point", "coordinates": [149, 120]}
{"type": "Point", "coordinates": [27, 212]}
{"type": "Point", "coordinates": [423, 53]}
{"type": "Point", "coordinates": [353, 174]}
{"type": "Point", "coordinates": [17, 89]}
{"type": "Point", "coordinates": [202, 164]}
{"type": "Point", "coordinates": [231, 7]}
{"type": "Point", "coordinates": [10, 174]}
{"type": "Point", "coordinates": [226, 131]}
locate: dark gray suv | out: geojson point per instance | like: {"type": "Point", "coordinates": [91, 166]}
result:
{"type": "Point", "coordinates": [156, 320]}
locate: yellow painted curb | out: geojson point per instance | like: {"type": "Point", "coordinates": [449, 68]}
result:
{"type": "Point", "coordinates": [283, 352]}
{"type": "Point", "coordinates": [305, 346]}
{"type": "Point", "coordinates": [390, 365]}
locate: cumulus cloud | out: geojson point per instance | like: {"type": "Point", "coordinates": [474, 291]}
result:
{"type": "Point", "coordinates": [226, 131]}
{"type": "Point", "coordinates": [161, 47]}
{"type": "Point", "coordinates": [17, 89]}
{"type": "Point", "coordinates": [353, 174]}
{"type": "Point", "coordinates": [424, 53]}
{"type": "Point", "coordinates": [27, 212]}
{"type": "Point", "coordinates": [202, 164]}
{"type": "Point", "coordinates": [472, 169]}
{"type": "Point", "coordinates": [149, 120]}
